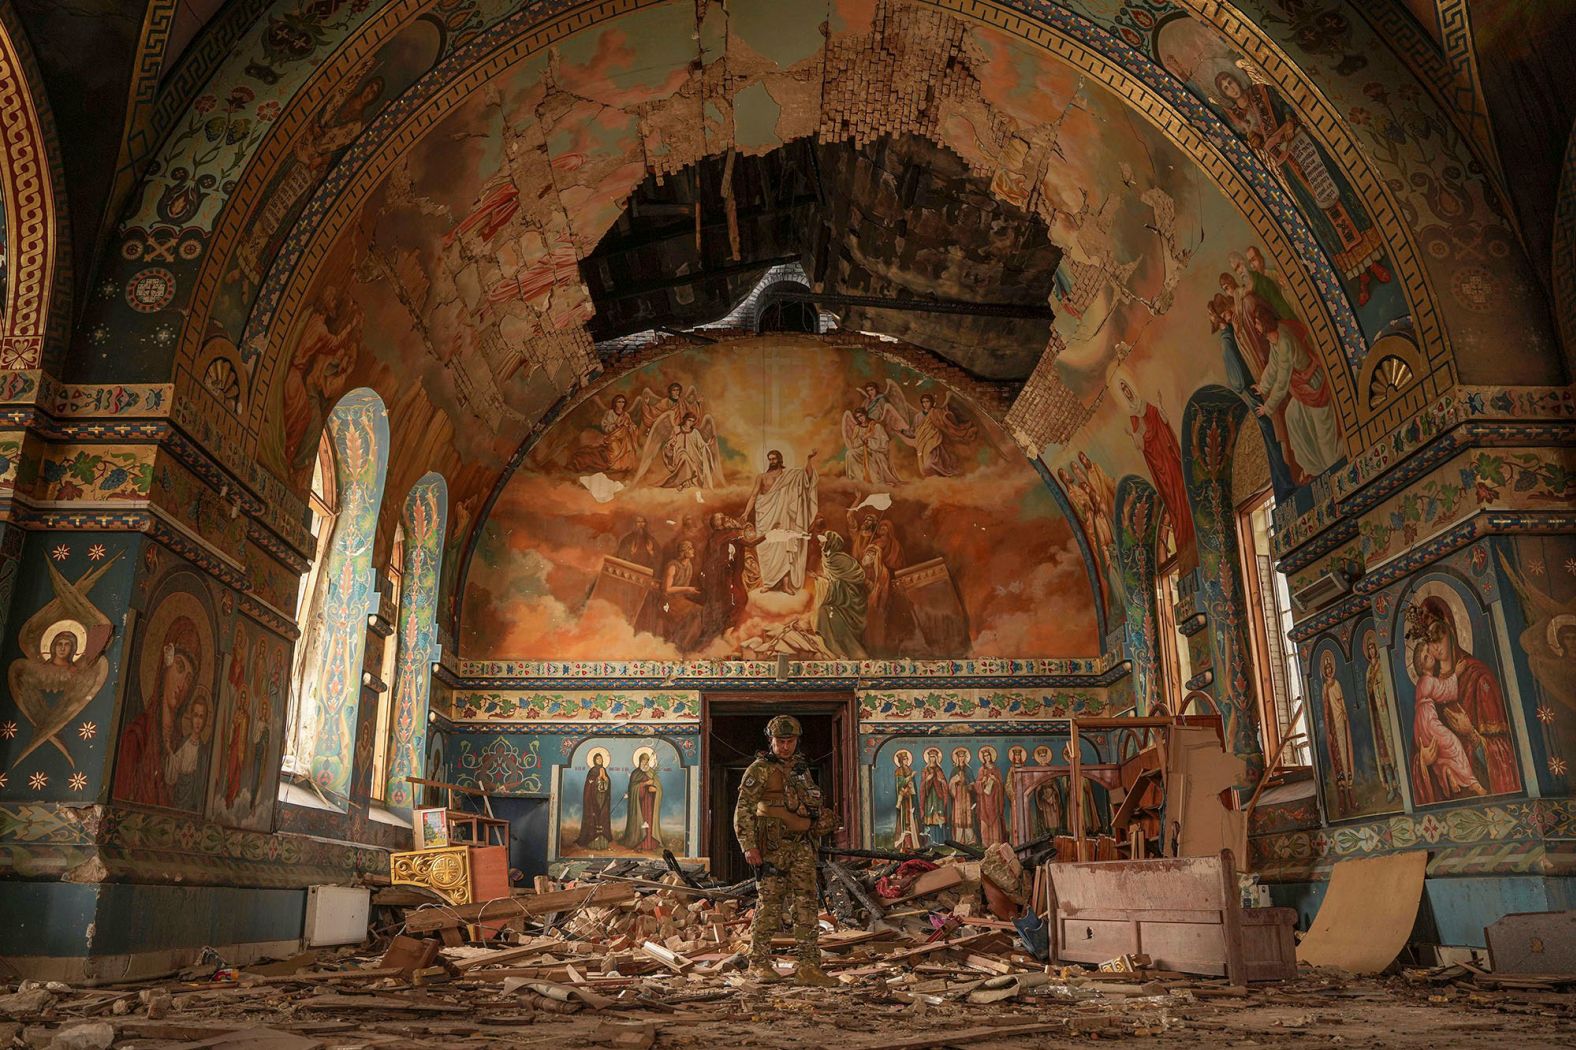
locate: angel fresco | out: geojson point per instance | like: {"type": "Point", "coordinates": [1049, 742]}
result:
{"type": "Point", "coordinates": [690, 453]}
{"type": "Point", "coordinates": [868, 455]}
{"type": "Point", "coordinates": [63, 665]}
{"type": "Point", "coordinates": [681, 435]}
{"type": "Point", "coordinates": [936, 430]}
{"type": "Point", "coordinates": [612, 446]}
{"type": "Point", "coordinates": [885, 405]}
{"type": "Point", "coordinates": [1549, 639]}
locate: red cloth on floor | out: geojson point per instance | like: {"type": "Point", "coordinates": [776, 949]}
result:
{"type": "Point", "coordinates": [896, 884]}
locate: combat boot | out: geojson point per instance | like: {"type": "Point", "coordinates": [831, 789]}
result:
{"type": "Point", "coordinates": [808, 973]}
{"type": "Point", "coordinates": [764, 972]}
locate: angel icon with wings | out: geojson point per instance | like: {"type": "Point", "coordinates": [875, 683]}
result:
{"type": "Point", "coordinates": [681, 436]}
{"type": "Point", "coordinates": [63, 665]}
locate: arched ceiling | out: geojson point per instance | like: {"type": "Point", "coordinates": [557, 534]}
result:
{"type": "Point", "coordinates": [400, 194]}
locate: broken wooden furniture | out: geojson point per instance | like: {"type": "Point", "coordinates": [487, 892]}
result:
{"type": "Point", "coordinates": [472, 866]}
{"type": "Point", "coordinates": [1185, 913]}
{"type": "Point", "coordinates": [1153, 781]}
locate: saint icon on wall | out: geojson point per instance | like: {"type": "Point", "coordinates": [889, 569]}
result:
{"type": "Point", "coordinates": [596, 806]}
{"type": "Point", "coordinates": [62, 666]}
{"type": "Point", "coordinates": [990, 795]}
{"type": "Point", "coordinates": [905, 833]}
{"type": "Point", "coordinates": [643, 802]}
{"type": "Point", "coordinates": [163, 748]}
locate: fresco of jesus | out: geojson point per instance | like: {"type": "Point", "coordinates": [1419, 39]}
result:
{"type": "Point", "coordinates": [782, 506]}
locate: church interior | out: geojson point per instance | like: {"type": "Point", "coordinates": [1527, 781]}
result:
{"type": "Point", "coordinates": [439, 435]}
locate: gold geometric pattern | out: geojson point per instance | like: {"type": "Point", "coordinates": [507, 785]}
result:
{"type": "Point", "coordinates": [445, 871]}
{"type": "Point", "coordinates": [27, 196]}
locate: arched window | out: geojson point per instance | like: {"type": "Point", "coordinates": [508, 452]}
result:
{"type": "Point", "coordinates": [1175, 665]}
{"type": "Point", "coordinates": [424, 521]}
{"type": "Point", "coordinates": [380, 739]}
{"type": "Point", "coordinates": [323, 499]}
{"type": "Point", "coordinates": [340, 596]}
{"type": "Point", "coordinates": [1269, 615]}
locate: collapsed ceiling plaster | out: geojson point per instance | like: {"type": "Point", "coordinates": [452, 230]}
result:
{"type": "Point", "coordinates": [898, 218]}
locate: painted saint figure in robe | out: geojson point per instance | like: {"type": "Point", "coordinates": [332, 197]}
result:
{"type": "Point", "coordinates": [1378, 696]}
{"type": "Point", "coordinates": [867, 455]}
{"type": "Point", "coordinates": [319, 372]}
{"type": "Point", "coordinates": [643, 807]}
{"type": "Point", "coordinates": [936, 430]}
{"type": "Point", "coordinates": [935, 796]}
{"type": "Point", "coordinates": [1151, 433]}
{"type": "Point", "coordinates": [1338, 735]}
{"type": "Point", "coordinates": [1047, 816]}
{"type": "Point", "coordinates": [612, 447]}
{"type": "Point", "coordinates": [991, 798]}
{"type": "Point", "coordinates": [1274, 131]}
{"type": "Point", "coordinates": [680, 606]}
{"type": "Point", "coordinates": [156, 746]}
{"type": "Point", "coordinates": [841, 619]}
{"type": "Point", "coordinates": [1442, 768]}
{"type": "Point", "coordinates": [596, 805]}
{"type": "Point", "coordinates": [905, 830]}
{"type": "Point", "coordinates": [782, 507]}
{"type": "Point", "coordinates": [1466, 695]}
{"type": "Point", "coordinates": [961, 816]}
{"type": "Point", "coordinates": [1294, 380]}
{"type": "Point", "coordinates": [724, 594]}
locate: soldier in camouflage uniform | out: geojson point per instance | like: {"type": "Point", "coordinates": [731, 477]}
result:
{"type": "Point", "coordinates": [778, 819]}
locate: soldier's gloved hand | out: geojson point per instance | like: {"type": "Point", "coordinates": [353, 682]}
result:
{"type": "Point", "coordinates": [752, 857]}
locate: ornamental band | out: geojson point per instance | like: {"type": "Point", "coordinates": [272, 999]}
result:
{"type": "Point", "coordinates": [778, 820]}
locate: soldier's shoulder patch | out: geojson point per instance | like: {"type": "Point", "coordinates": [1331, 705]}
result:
{"type": "Point", "coordinates": [749, 780]}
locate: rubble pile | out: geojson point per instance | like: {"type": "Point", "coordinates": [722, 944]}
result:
{"type": "Point", "coordinates": [639, 957]}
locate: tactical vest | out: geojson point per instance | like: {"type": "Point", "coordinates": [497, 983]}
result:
{"type": "Point", "coordinates": [784, 800]}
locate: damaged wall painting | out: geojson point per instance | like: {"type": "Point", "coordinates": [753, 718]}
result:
{"type": "Point", "coordinates": [781, 499]}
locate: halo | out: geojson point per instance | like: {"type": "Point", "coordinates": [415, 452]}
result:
{"type": "Point", "coordinates": [900, 754]}
{"type": "Point", "coordinates": [1458, 612]}
{"type": "Point", "coordinates": [990, 750]}
{"type": "Point", "coordinates": [1043, 749]}
{"type": "Point", "coordinates": [607, 759]}
{"type": "Point", "coordinates": [174, 605]}
{"type": "Point", "coordinates": [961, 751]}
{"type": "Point", "coordinates": [58, 628]}
{"type": "Point", "coordinates": [1328, 654]}
{"type": "Point", "coordinates": [1370, 635]}
{"type": "Point", "coordinates": [649, 751]}
{"type": "Point", "coordinates": [932, 751]}
{"type": "Point", "coordinates": [1018, 749]}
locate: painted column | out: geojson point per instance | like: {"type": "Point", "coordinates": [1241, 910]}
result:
{"type": "Point", "coordinates": [1135, 523]}
{"type": "Point", "coordinates": [426, 511]}
{"type": "Point", "coordinates": [1209, 429]}
{"type": "Point", "coordinates": [359, 430]}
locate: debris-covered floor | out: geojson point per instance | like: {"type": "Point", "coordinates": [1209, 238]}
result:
{"type": "Point", "coordinates": [652, 959]}
{"type": "Point", "coordinates": [898, 1007]}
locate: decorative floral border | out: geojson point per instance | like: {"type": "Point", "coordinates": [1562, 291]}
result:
{"type": "Point", "coordinates": [525, 706]}
{"type": "Point", "coordinates": [1520, 836]}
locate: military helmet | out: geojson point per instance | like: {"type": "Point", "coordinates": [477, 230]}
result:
{"type": "Point", "coordinates": [784, 725]}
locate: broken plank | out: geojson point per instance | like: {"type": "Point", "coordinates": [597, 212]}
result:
{"type": "Point", "coordinates": [514, 909]}
{"type": "Point", "coordinates": [962, 1037]}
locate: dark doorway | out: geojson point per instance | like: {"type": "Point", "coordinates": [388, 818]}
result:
{"type": "Point", "coordinates": [735, 729]}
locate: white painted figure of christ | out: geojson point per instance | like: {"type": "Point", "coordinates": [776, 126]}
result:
{"type": "Point", "coordinates": [782, 507]}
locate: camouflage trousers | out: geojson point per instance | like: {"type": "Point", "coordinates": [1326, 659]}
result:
{"type": "Point", "coordinates": [794, 886]}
